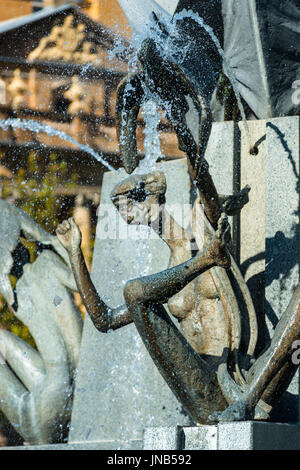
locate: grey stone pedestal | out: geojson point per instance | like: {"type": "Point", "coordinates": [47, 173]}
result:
{"type": "Point", "coordinates": [248, 435]}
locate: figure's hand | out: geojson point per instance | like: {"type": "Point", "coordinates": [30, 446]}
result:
{"type": "Point", "coordinates": [69, 235]}
{"type": "Point", "coordinates": [138, 198]}
{"type": "Point", "coordinates": [218, 249]}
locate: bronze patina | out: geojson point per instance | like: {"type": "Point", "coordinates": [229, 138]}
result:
{"type": "Point", "coordinates": [212, 370]}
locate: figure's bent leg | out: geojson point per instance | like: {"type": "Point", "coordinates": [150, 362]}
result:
{"type": "Point", "coordinates": [12, 394]}
{"type": "Point", "coordinates": [273, 370]}
{"type": "Point", "coordinates": [189, 376]}
{"type": "Point", "coordinates": [23, 360]}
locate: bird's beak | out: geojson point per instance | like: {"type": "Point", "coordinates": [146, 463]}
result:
{"type": "Point", "coordinates": [130, 162]}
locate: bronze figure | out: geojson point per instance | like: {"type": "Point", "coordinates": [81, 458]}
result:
{"type": "Point", "coordinates": [212, 369]}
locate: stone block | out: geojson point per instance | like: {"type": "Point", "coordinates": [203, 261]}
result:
{"type": "Point", "coordinates": [248, 435]}
{"type": "Point", "coordinates": [220, 154]}
{"type": "Point", "coordinates": [86, 445]}
{"type": "Point", "coordinates": [282, 235]}
{"type": "Point", "coordinates": [161, 438]}
{"type": "Point", "coordinates": [251, 435]}
{"type": "Point", "coordinates": [253, 216]}
{"type": "Point", "coordinates": [200, 438]}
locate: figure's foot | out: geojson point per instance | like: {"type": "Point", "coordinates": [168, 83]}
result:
{"type": "Point", "coordinates": [69, 235]}
{"type": "Point", "coordinates": [238, 411]}
{"type": "Point", "coordinates": [218, 248]}
{"type": "Point", "coordinates": [260, 414]}
{"type": "Point", "coordinates": [138, 198]}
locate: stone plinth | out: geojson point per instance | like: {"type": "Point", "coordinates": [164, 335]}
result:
{"type": "Point", "coordinates": [248, 435]}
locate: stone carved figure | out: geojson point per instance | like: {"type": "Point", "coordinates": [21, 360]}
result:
{"type": "Point", "coordinates": [36, 386]}
{"type": "Point", "coordinates": [61, 43]}
{"type": "Point", "coordinates": [76, 94]}
{"type": "Point", "coordinates": [212, 370]}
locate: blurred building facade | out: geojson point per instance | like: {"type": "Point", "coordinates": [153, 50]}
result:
{"type": "Point", "coordinates": [57, 69]}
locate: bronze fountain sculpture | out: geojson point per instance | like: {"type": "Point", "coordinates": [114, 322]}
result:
{"type": "Point", "coordinates": [211, 365]}
{"type": "Point", "coordinates": [209, 361]}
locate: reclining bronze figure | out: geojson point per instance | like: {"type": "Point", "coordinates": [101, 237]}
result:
{"type": "Point", "coordinates": [210, 364]}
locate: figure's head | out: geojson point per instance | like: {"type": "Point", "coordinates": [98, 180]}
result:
{"type": "Point", "coordinates": [138, 198]}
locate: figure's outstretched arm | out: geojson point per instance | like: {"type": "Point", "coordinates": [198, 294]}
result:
{"type": "Point", "coordinates": [103, 317]}
{"type": "Point", "coordinates": [161, 286]}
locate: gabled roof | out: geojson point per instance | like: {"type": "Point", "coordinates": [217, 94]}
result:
{"type": "Point", "coordinates": [21, 36]}
{"type": "Point", "coordinates": [16, 23]}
